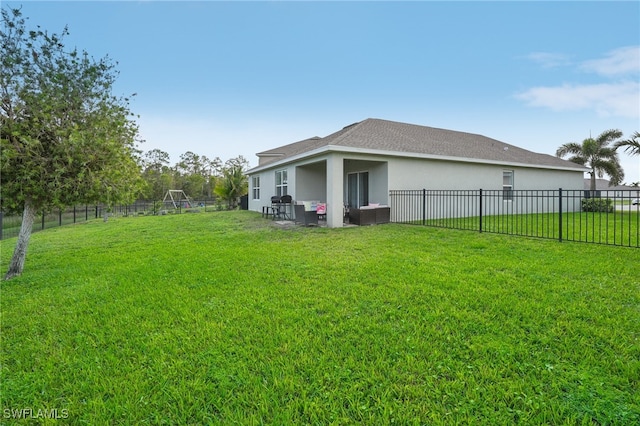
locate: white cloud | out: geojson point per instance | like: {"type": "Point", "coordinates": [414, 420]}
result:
{"type": "Point", "coordinates": [618, 96]}
{"type": "Point", "coordinates": [549, 60]}
{"type": "Point", "coordinates": [607, 99]}
{"type": "Point", "coordinates": [622, 61]}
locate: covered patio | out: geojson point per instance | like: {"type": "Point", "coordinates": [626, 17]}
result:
{"type": "Point", "coordinates": [355, 183]}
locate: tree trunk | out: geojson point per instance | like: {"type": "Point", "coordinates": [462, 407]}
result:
{"type": "Point", "coordinates": [593, 184]}
{"type": "Point", "coordinates": [20, 252]}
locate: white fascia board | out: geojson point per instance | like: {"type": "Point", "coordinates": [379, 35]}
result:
{"type": "Point", "coordinates": [379, 152]}
{"type": "Point", "coordinates": [270, 155]}
{"type": "Point", "coordinates": [291, 159]}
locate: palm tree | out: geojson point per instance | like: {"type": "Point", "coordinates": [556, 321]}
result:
{"type": "Point", "coordinates": [232, 184]}
{"type": "Point", "coordinates": [597, 155]}
{"type": "Point", "coordinates": [632, 145]}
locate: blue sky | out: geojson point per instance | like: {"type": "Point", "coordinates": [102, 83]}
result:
{"type": "Point", "coordinates": [224, 79]}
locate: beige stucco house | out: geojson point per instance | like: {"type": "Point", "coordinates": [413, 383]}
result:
{"type": "Point", "coordinates": [362, 162]}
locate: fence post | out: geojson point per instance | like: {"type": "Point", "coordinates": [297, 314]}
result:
{"type": "Point", "coordinates": [42, 219]}
{"type": "Point", "coordinates": [424, 206]}
{"type": "Point", "coordinates": [59, 217]}
{"type": "Point", "coordinates": [1, 217]}
{"type": "Point", "coordinates": [560, 215]}
{"type": "Point", "coordinates": [480, 213]}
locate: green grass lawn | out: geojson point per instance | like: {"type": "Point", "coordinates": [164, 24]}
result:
{"type": "Point", "coordinates": [620, 228]}
{"type": "Point", "coordinates": [222, 318]}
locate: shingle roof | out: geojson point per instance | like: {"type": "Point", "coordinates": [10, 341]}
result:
{"type": "Point", "coordinates": [397, 138]}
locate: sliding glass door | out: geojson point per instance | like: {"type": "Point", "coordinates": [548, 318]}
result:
{"type": "Point", "coordinates": [358, 189]}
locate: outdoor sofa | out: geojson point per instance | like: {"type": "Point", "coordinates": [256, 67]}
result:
{"type": "Point", "coordinates": [371, 214]}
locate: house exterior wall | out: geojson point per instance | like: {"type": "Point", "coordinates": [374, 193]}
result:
{"type": "Point", "coordinates": [268, 186]}
{"type": "Point", "coordinates": [407, 173]}
{"type": "Point", "coordinates": [324, 178]}
{"type": "Point", "coordinates": [311, 181]}
{"type": "Point", "coordinates": [305, 181]}
{"type": "Point", "coordinates": [436, 175]}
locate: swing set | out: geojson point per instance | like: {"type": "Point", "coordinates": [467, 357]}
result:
{"type": "Point", "coordinates": [176, 198]}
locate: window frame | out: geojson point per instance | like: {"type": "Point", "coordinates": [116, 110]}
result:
{"type": "Point", "coordinates": [255, 187]}
{"type": "Point", "coordinates": [282, 182]}
{"type": "Point", "coordinates": [508, 178]}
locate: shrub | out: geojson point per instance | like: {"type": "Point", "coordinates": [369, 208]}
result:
{"type": "Point", "coordinates": [597, 205]}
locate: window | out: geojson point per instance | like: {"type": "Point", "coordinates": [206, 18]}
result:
{"type": "Point", "coordinates": [507, 185]}
{"type": "Point", "coordinates": [358, 189]}
{"type": "Point", "coordinates": [281, 183]}
{"type": "Point", "coordinates": [255, 185]}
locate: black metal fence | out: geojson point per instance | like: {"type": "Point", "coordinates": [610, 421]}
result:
{"type": "Point", "coordinates": [602, 217]}
{"type": "Point", "coordinates": [10, 225]}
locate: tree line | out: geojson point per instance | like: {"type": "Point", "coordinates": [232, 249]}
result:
{"type": "Point", "coordinates": [197, 175]}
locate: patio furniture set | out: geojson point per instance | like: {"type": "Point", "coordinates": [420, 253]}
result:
{"type": "Point", "coordinates": [310, 212]}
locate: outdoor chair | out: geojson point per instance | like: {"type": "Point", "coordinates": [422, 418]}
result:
{"type": "Point", "coordinates": [306, 217]}
{"type": "Point", "coordinates": [321, 211]}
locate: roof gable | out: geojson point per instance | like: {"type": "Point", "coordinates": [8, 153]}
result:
{"type": "Point", "coordinates": [397, 138]}
{"type": "Point", "coordinates": [290, 150]}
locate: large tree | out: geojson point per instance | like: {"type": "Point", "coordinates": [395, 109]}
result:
{"type": "Point", "coordinates": [211, 169]}
{"type": "Point", "coordinates": [598, 155]}
{"type": "Point", "coordinates": [65, 138]}
{"type": "Point", "coordinates": [157, 174]}
{"type": "Point", "coordinates": [632, 145]}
